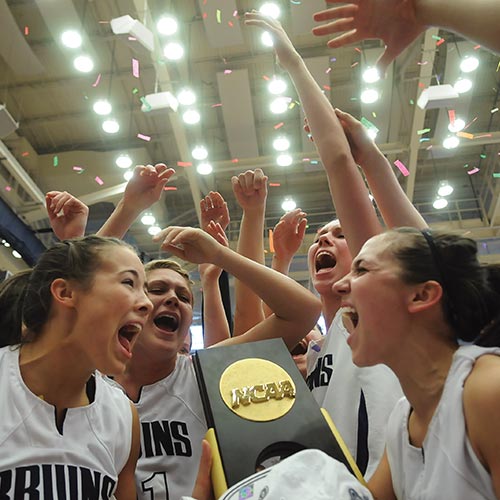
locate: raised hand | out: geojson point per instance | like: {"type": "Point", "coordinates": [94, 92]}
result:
{"type": "Point", "coordinates": [285, 51]}
{"type": "Point", "coordinates": [250, 189]}
{"type": "Point", "coordinates": [189, 243]}
{"type": "Point", "coordinates": [393, 21]}
{"type": "Point", "coordinates": [67, 214]}
{"type": "Point", "coordinates": [146, 185]}
{"type": "Point", "coordinates": [289, 233]}
{"type": "Point", "coordinates": [214, 208]}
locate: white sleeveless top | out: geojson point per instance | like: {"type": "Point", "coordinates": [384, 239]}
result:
{"type": "Point", "coordinates": [446, 466]}
{"type": "Point", "coordinates": [39, 461]}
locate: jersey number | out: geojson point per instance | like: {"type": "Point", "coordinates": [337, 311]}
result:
{"type": "Point", "coordinates": [156, 486]}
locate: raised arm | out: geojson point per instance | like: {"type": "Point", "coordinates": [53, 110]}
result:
{"type": "Point", "coordinates": [295, 308]}
{"type": "Point", "coordinates": [214, 220]}
{"type": "Point", "coordinates": [399, 22]}
{"type": "Point", "coordinates": [395, 207]}
{"type": "Point", "coordinates": [67, 214]}
{"type": "Point", "coordinates": [348, 190]}
{"type": "Point", "coordinates": [250, 190]}
{"type": "Point", "coordinates": [143, 189]}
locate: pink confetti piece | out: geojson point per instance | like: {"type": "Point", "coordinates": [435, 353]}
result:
{"type": "Point", "coordinates": [235, 160]}
{"type": "Point", "coordinates": [205, 15]}
{"type": "Point", "coordinates": [306, 160]}
{"type": "Point", "coordinates": [357, 49]}
{"type": "Point", "coordinates": [451, 116]}
{"type": "Point", "coordinates": [235, 13]}
{"type": "Point", "coordinates": [274, 184]}
{"type": "Point", "coordinates": [266, 78]}
{"type": "Point", "coordinates": [327, 87]}
{"type": "Point", "coordinates": [482, 135]}
{"type": "Point", "coordinates": [470, 123]}
{"type": "Point", "coordinates": [8, 188]}
{"type": "Point", "coordinates": [76, 168]}
{"type": "Point", "coordinates": [278, 125]}
{"type": "Point", "coordinates": [473, 171]}
{"type": "Point", "coordinates": [24, 154]}
{"type": "Point", "coordinates": [440, 42]}
{"type": "Point", "coordinates": [26, 30]}
{"type": "Point", "coordinates": [354, 64]}
{"type": "Point", "coordinates": [144, 137]}
{"type": "Point", "coordinates": [477, 47]}
{"type": "Point", "coordinates": [230, 23]}
{"type": "Point", "coordinates": [428, 148]}
{"type": "Point", "coordinates": [184, 164]}
{"type": "Point", "coordinates": [99, 180]}
{"type": "Point", "coordinates": [169, 188]}
{"type": "Point", "coordinates": [228, 71]}
{"type": "Point", "coordinates": [218, 105]}
{"type": "Point", "coordinates": [423, 63]}
{"type": "Point", "coordinates": [328, 70]}
{"type": "Point", "coordinates": [98, 79]}
{"type": "Point", "coordinates": [135, 67]}
{"type": "Point", "coordinates": [402, 168]}
{"type": "Point", "coordinates": [132, 39]}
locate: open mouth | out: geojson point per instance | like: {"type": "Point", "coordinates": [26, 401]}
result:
{"type": "Point", "coordinates": [324, 262]}
{"type": "Point", "coordinates": [126, 335]}
{"type": "Point", "coordinates": [167, 323]}
{"type": "Point", "coordinates": [350, 318]}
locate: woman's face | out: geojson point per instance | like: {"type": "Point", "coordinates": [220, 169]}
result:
{"type": "Point", "coordinates": [172, 314]}
{"type": "Point", "coordinates": [329, 258]}
{"type": "Point", "coordinates": [374, 303]}
{"type": "Point", "coordinates": [114, 310]}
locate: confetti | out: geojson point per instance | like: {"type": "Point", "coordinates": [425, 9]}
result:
{"type": "Point", "coordinates": [402, 168]}
{"type": "Point", "coordinates": [424, 139]}
{"type": "Point", "coordinates": [235, 13]}
{"type": "Point", "coordinates": [146, 103]}
{"type": "Point", "coordinates": [98, 79]}
{"type": "Point", "coordinates": [144, 137]}
{"type": "Point", "coordinates": [76, 168]}
{"type": "Point", "coordinates": [184, 164]}
{"type": "Point", "coordinates": [55, 161]}
{"type": "Point", "coordinates": [228, 71]}
{"type": "Point", "coordinates": [436, 37]}
{"type": "Point", "coordinates": [412, 102]}
{"type": "Point", "coordinates": [470, 123]}
{"type": "Point", "coordinates": [235, 160]}
{"type": "Point", "coordinates": [135, 90]}
{"type": "Point", "coordinates": [315, 347]}
{"type": "Point", "coordinates": [328, 70]}
{"type": "Point", "coordinates": [451, 116]}
{"type": "Point", "coordinates": [494, 110]}
{"type": "Point", "coordinates": [354, 64]}
{"type": "Point", "coordinates": [465, 135]}
{"type": "Point", "coordinates": [8, 188]}
{"type": "Point", "coordinates": [496, 175]}
{"type": "Point", "coordinates": [334, 59]}
{"type": "Point", "coordinates": [374, 114]}
{"type": "Point", "coordinates": [368, 124]}
{"type": "Point", "coordinates": [132, 38]}
{"type": "Point", "coordinates": [482, 135]}
{"type": "Point", "coordinates": [477, 47]}
{"type": "Point", "coordinates": [483, 156]}
{"type": "Point", "coordinates": [357, 49]}
{"type": "Point", "coordinates": [271, 241]}
{"type": "Point", "coordinates": [99, 180]}
{"type": "Point", "coordinates": [266, 78]}
{"type": "Point", "coordinates": [218, 105]}
{"type": "Point", "coordinates": [327, 87]}
{"type": "Point", "coordinates": [314, 162]}
{"type": "Point", "coordinates": [473, 171]}
{"type": "Point", "coordinates": [169, 188]}
{"type": "Point", "coordinates": [423, 131]}
{"type": "Point", "coordinates": [230, 23]}
{"type": "Point", "coordinates": [205, 15]}
{"type": "Point", "coordinates": [498, 66]}
{"type": "Point", "coordinates": [26, 30]}
{"type": "Point", "coordinates": [218, 15]}
{"type": "Point", "coordinates": [440, 42]}
{"type": "Point", "coordinates": [278, 125]}
{"type": "Point", "coordinates": [135, 67]}
{"type": "Point", "coordinates": [306, 160]}
{"type": "Point", "coordinates": [25, 153]}
{"type": "Point", "coordinates": [277, 184]}
{"type": "Point", "coordinates": [423, 63]}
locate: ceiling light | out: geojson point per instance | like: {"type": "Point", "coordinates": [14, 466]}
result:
{"type": "Point", "coordinates": [270, 9]}
{"type": "Point", "coordinates": [71, 39]}
{"type": "Point", "coordinates": [204, 168]}
{"type": "Point", "coordinates": [16, 254]}
{"type": "Point", "coordinates": [457, 125]}
{"type": "Point", "coordinates": [5, 243]}
{"type": "Point", "coordinates": [462, 85]}
{"type": "Point", "coordinates": [279, 105]}
{"type": "Point", "coordinates": [288, 204]}
{"type": "Point", "coordinates": [186, 97]}
{"type": "Point", "coordinates": [281, 143]}
{"type": "Point", "coordinates": [173, 51]}
{"type": "Point", "coordinates": [371, 75]}
{"type": "Point", "coordinates": [148, 219]}
{"type": "Point", "coordinates": [111, 126]}
{"type": "Point", "coordinates": [200, 153]}
{"type": "Point", "coordinates": [440, 203]}
{"type": "Point", "coordinates": [277, 86]}
{"type": "Point", "coordinates": [451, 142]}
{"type": "Point", "coordinates": [128, 175]}
{"type": "Point", "coordinates": [369, 96]}
{"type": "Point", "coordinates": [102, 107]}
{"type": "Point", "coordinates": [445, 189]}
{"type": "Point", "coordinates": [154, 230]}
{"type": "Point", "coordinates": [191, 116]}
{"type": "Point", "coordinates": [284, 160]}
{"type": "Point", "coordinates": [469, 64]}
{"type": "Point", "coordinates": [123, 161]}
{"type": "Point", "coordinates": [83, 64]}
{"type": "Point", "coordinates": [266, 39]}
{"type": "Point", "coordinates": [167, 25]}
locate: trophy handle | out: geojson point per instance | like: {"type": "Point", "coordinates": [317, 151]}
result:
{"type": "Point", "coordinates": [219, 482]}
{"type": "Point", "coordinates": [343, 447]}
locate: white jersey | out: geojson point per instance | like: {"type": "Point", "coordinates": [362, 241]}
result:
{"type": "Point", "coordinates": [172, 428]}
{"type": "Point", "coordinates": [446, 466]}
{"type": "Point", "coordinates": [359, 400]}
{"type": "Point", "coordinates": [82, 460]}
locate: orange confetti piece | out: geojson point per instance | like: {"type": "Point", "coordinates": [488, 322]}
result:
{"type": "Point", "coordinates": [26, 30]}
{"type": "Point", "coordinates": [169, 188]}
{"type": "Point", "coordinates": [451, 116]}
{"type": "Point", "coordinates": [274, 184]}
{"type": "Point", "coordinates": [278, 125]}
{"type": "Point", "coordinates": [440, 42]}
{"type": "Point", "coordinates": [184, 164]}
{"type": "Point", "coordinates": [266, 78]}
{"type": "Point", "coordinates": [327, 87]}
{"type": "Point", "coordinates": [235, 160]}
{"type": "Point", "coordinates": [24, 154]}
{"type": "Point", "coordinates": [271, 242]}
{"type": "Point", "coordinates": [465, 135]}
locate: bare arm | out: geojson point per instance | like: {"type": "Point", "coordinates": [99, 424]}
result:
{"type": "Point", "coordinates": [250, 190]}
{"type": "Point", "coordinates": [125, 489]}
{"type": "Point", "coordinates": [141, 192]}
{"type": "Point", "coordinates": [67, 214]}
{"type": "Point", "coordinates": [347, 187]}
{"type": "Point", "coordinates": [380, 484]}
{"type": "Point", "coordinates": [399, 22]}
{"type": "Point", "coordinates": [295, 308]}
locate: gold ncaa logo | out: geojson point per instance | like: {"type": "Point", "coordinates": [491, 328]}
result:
{"type": "Point", "coordinates": [257, 389]}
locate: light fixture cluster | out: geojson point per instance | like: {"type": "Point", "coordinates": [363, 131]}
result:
{"type": "Point", "coordinates": [148, 219]}
{"type": "Point", "coordinates": [270, 9]}
{"type": "Point", "coordinates": [370, 93]}
{"type": "Point", "coordinates": [200, 153]}
{"type": "Point", "coordinates": [15, 253]}
{"type": "Point", "coordinates": [444, 189]}
{"type": "Point", "coordinates": [73, 40]}
{"type": "Point", "coordinates": [467, 65]}
{"type": "Point", "coordinates": [167, 26]}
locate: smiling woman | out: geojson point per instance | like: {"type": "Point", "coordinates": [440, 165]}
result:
{"type": "Point", "coordinates": [83, 307]}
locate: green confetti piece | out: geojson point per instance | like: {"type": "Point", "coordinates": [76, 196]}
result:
{"type": "Point", "coordinates": [496, 175]}
{"type": "Point", "coordinates": [368, 124]}
{"type": "Point", "coordinates": [219, 17]}
{"type": "Point", "coordinates": [412, 102]}
{"type": "Point", "coordinates": [483, 156]}
{"type": "Point", "coordinates": [423, 131]}
{"type": "Point", "coordinates": [436, 37]}
{"type": "Point", "coordinates": [146, 104]}
{"type": "Point", "coordinates": [55, 161]}
{"type": "Point", "coordinates": [135, 90]}
{"type": "Point", "coordinates": [424, 139]}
